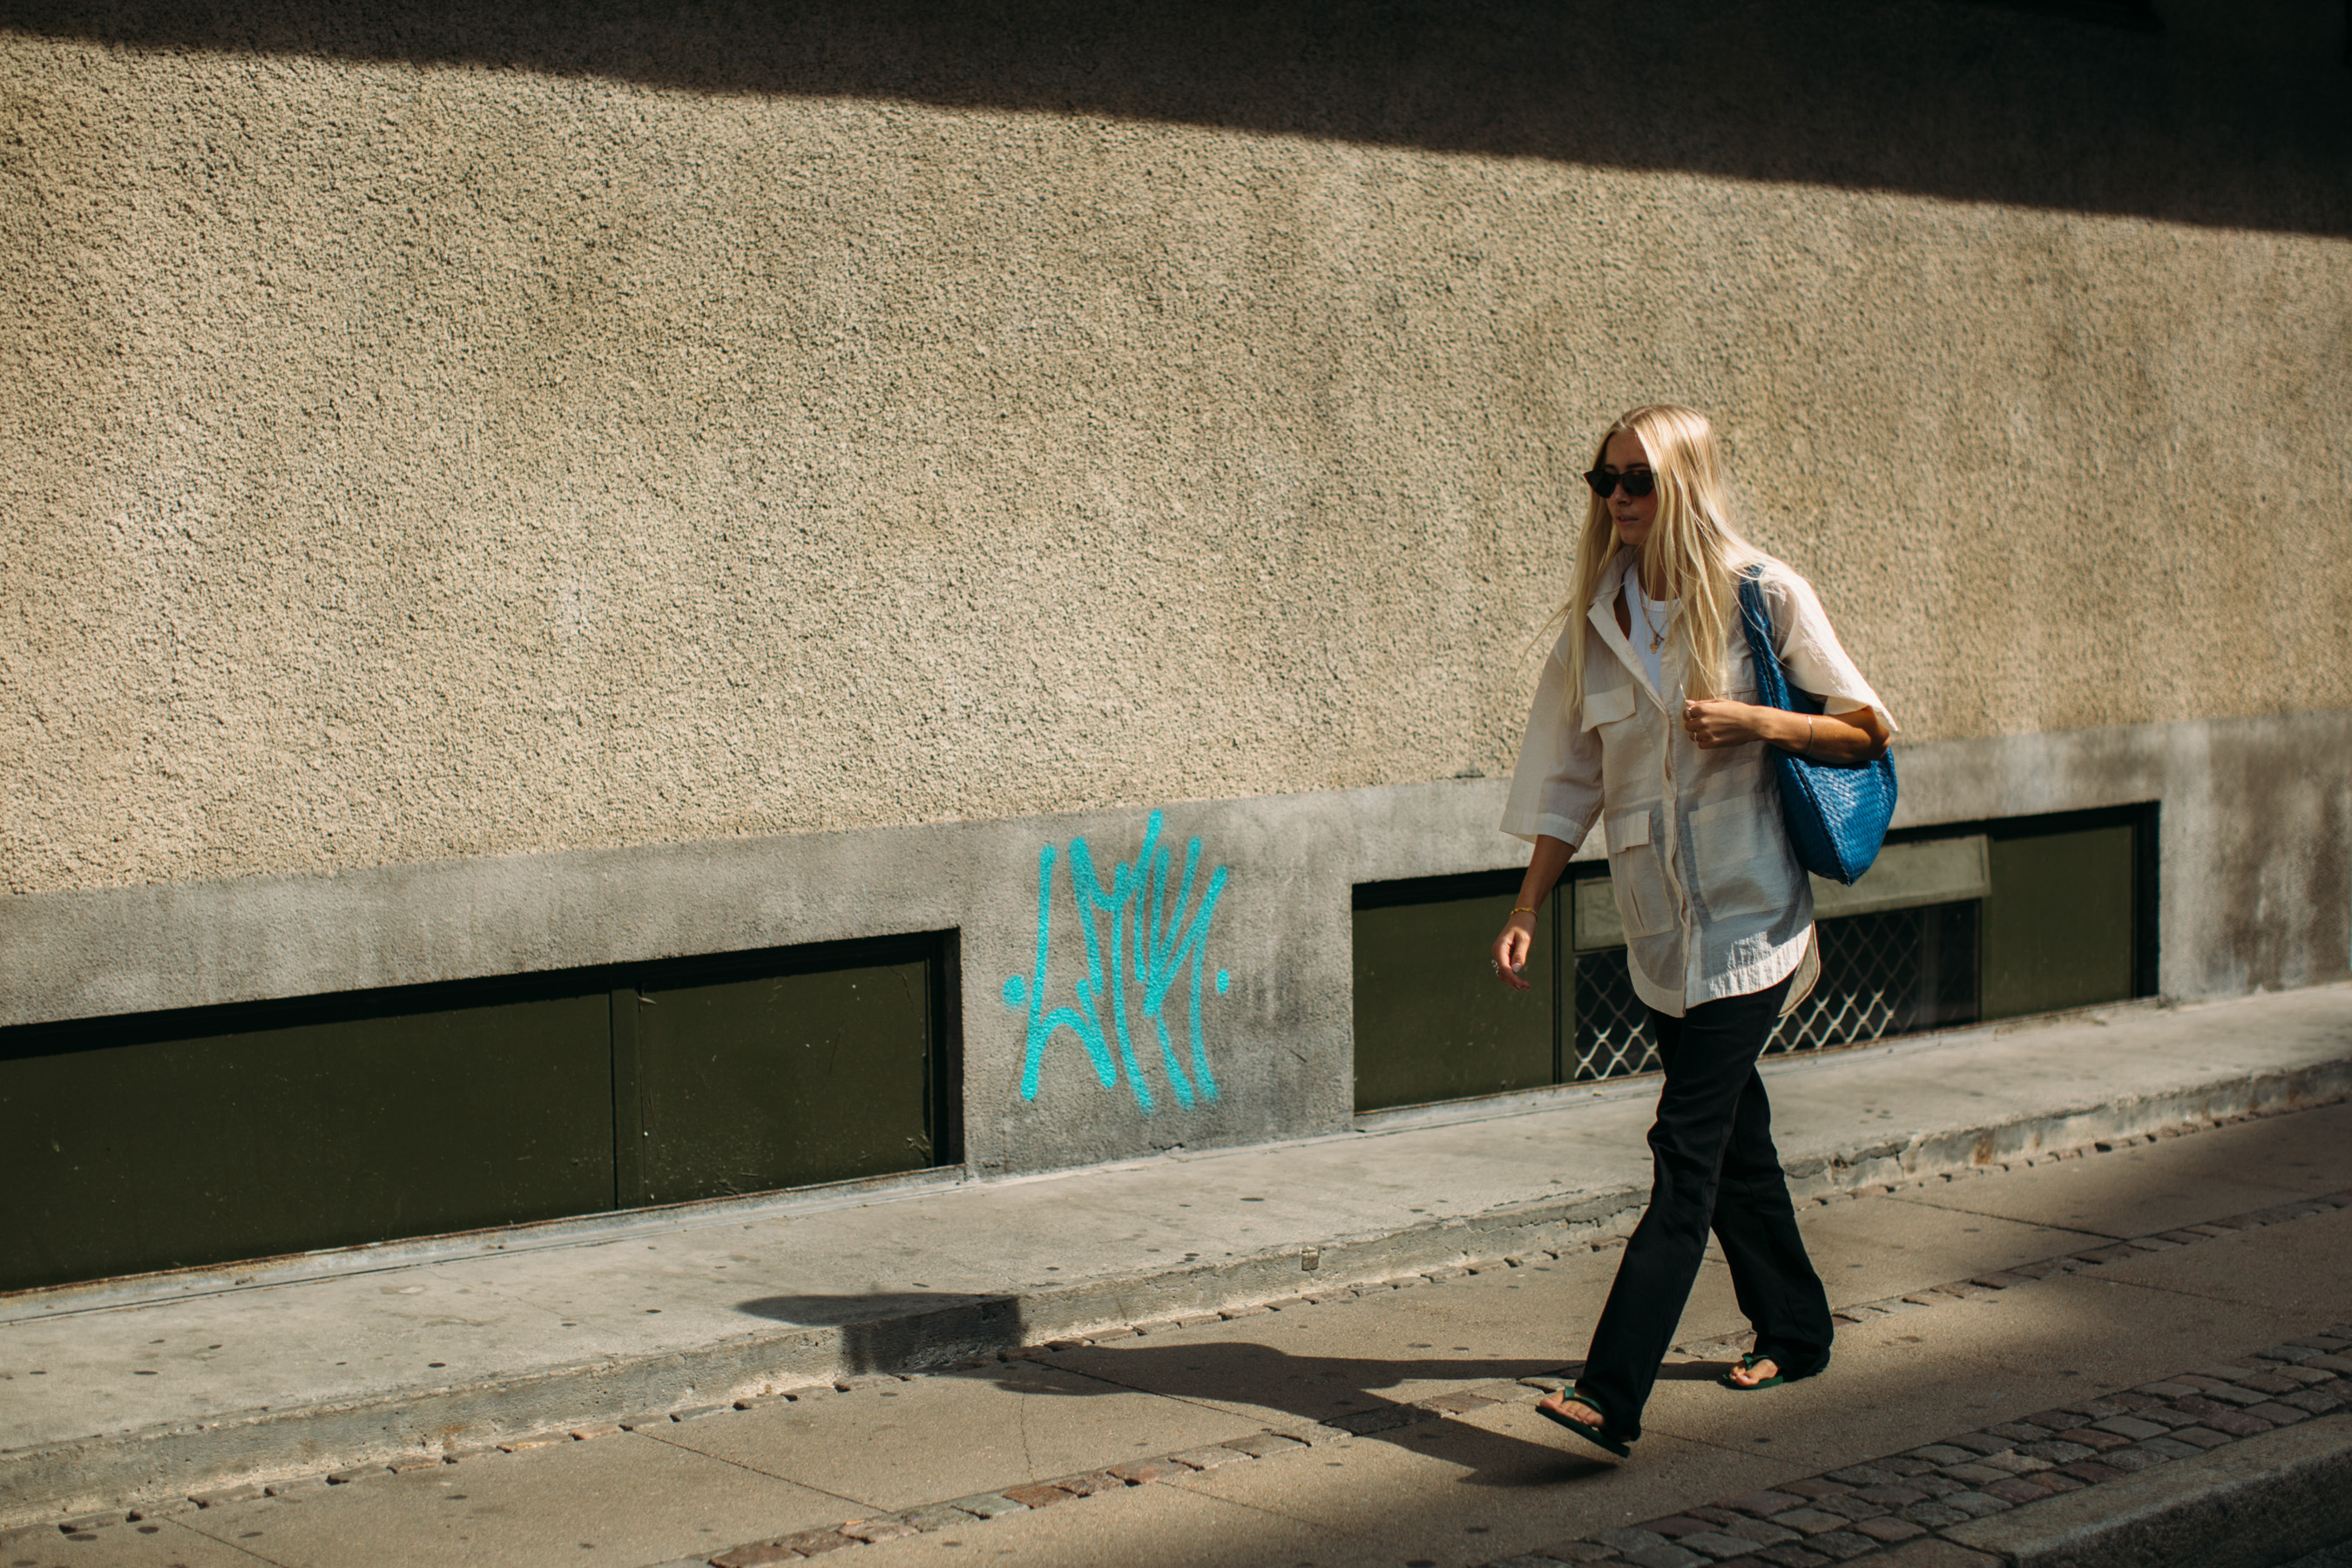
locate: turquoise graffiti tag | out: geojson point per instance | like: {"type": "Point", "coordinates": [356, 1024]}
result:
{"type": "Point", "coordinates": [1151, 944]}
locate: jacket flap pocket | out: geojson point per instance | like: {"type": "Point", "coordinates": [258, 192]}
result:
{"type": "Point", "coordinates": [1629, 831]}
{"type": "Point", "coordinates": [1608, 705]}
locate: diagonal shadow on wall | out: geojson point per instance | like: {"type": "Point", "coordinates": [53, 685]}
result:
{"type": "Point", "coordinates": [2236, 115]}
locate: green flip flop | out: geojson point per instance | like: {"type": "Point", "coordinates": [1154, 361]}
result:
{"type": "Point", "coordinates": [1748, 1364]}
{"type": "Point", "coordinates": [1599, 1437]}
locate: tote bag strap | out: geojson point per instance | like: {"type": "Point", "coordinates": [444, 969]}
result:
{"type": "Point", "coordinates": [1771, 680]}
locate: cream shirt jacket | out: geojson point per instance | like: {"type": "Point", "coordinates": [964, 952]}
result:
{"type": "Point", "coordinates": [1714, 902]}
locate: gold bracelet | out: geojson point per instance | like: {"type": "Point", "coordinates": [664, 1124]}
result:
{"type": "Point", "coordinates": [1521, 910]}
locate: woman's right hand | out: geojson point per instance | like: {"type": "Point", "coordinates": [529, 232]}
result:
{"type": "Point", "coordinates": [1510, 950]}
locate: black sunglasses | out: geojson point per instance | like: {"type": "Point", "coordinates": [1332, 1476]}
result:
{"type": "Point", "coordinates": [1639, 484]}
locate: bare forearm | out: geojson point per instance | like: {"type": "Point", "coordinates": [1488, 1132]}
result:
{"type": "Point", "coordinates": [1511, 948]}
{"type": "Point", "coordinates": [1857, 737]}
{"type": "Point", "coordinates": [1825, 737]}
{"type": "Point", "coordinates": [1544, 868]}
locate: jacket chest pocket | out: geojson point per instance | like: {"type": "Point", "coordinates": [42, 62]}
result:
{"type": "Point", "coordinates": [1607, 706]}
{"type": "Point", "coordinates": [1635, 875]}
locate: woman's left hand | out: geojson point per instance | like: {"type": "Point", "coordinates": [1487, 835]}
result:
{"type": "Point", "coordinates": [1715, 722]}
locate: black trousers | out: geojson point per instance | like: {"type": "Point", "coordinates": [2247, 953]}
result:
{"type": "Point", "coordinates": [1713, 1163]}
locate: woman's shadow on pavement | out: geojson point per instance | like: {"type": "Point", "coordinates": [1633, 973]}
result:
{"type": "Point", "coordinates": [1349, 1393]}
{"type": "Point", "coordinates": [887, 1332]}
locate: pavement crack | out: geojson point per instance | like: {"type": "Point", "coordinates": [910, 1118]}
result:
{"type": "Point", "coordinates": [1696, 1441]}
{"type": "Point", "coordinates": [2163, 1289]}
{"type": "Point", "coordinates": [223, 1540]}
{"type": "Point", "coordinates": [2011, 1219]}
{"type": "Point", "coordinates": [756, 1470]}
{"type": "Point", "coordinates": [1102, 1378]}
{"type": "Point", "coordinates": [1271, 1513]}
{"type": "Point", "coordinates": [1208, 1405]}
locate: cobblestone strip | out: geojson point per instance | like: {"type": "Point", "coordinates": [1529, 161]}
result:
{"type": "Point", "coordinates": [1892, 1510]}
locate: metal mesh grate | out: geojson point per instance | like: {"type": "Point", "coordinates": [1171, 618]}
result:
{"type": "Point", "coordinates": [1892, 973]}
{"type": "Point", "coordinates": [1612, 1026]}
{"type": "Point", "coordinates": [1882, 974]}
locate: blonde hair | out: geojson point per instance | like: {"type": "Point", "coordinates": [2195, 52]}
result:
{"type": "Point", "coordinates": [1691, 549]}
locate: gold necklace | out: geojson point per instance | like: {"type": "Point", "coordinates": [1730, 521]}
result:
{"type": "Point", "coordinates": [1657, 634]}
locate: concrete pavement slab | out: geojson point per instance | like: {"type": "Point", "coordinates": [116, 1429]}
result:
{"type": "Point", "coordinates": [622, 1499]}
{"type": "Point", "coordinates": [1158, 1525]}
{"type": "Point", "coordinates": [2310, 1283]}
{"type": "Point", "coordinates": [151, 1543]}
{"type": "Point", "coordinates": [2238, 1168]}
{"type": "Point", "coordinates": [1014, 1422]}
{"type": "Point", "coordinates": [2102, 1333]}
{"type": "Point", "coordinates": [1885, 1246]}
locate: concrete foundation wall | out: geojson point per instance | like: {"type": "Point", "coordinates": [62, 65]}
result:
{"type": "Point", "coordinates": [2255, 886]}
{"type": "Point", "coordinates": [435, 434]}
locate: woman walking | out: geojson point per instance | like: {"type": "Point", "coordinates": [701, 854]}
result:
{"type": "Point", "coordinates": [1644, 720]}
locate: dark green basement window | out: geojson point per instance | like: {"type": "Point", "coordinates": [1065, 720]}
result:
{"type": "Point", "coordinates": [1951, 926]}
{"type": "Point", "coordinates": [166, 1140]}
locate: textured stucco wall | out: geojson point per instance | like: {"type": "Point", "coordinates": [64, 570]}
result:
{"type": "Point", "coordinates": [416, 460]}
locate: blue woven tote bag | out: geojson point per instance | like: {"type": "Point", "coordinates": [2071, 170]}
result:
{"type": "Point", "coordinates": [1836, 812]}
